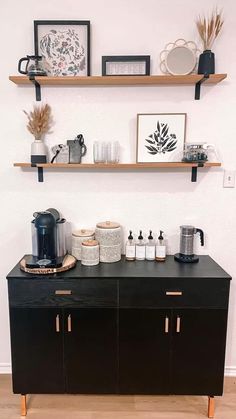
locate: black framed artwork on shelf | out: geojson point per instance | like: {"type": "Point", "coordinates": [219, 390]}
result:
{"type": "Point", "coordinates": [160, 137]}
{"type": "Point", "coordinates": [64, 46]}
{"type": "Point", "coordinates": [126, 65]}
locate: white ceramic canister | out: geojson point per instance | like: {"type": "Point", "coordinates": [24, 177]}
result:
{"type": "Point", "coordinates": [78, 237]}
{"type": "Point", "coordinates": [109, 236]}
{"type": "Point", "coordinates": [90, 253]}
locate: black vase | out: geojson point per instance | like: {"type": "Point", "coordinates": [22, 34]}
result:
{"type": "Point", "coordinates": [206, 64]}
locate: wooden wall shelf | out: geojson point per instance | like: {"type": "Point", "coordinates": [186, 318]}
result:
{"type": "Point", "coordinates": [191, 79]}
{"type": "Point", "coordinates": [117, 167]}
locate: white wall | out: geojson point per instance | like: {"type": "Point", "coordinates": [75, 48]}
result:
{"type": "Point", "coordinates": [163, 199]}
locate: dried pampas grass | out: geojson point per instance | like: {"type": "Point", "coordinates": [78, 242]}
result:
{"type": "Point", "coordinates": [39, 121]}
{"type": "Point", "coordinates": [209, 28]}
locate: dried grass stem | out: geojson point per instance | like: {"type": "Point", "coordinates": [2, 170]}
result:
{"type": "Point", "coordinates": [39, 121]}
{"type": "Point", "coordinates": [209, 28]}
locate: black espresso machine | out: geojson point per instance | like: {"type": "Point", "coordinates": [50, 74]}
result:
{"type": "Point", "coordinates": [48, 240]}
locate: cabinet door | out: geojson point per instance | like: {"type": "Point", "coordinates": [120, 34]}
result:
{"type": "Point", "coordinates": [144, 342]}
{"type": "Point", "coordinates": [91, 350]}
{"type": "Point", "coordinates": [37, 350]}
{"type": "Point", "coordinates": [198, 351]}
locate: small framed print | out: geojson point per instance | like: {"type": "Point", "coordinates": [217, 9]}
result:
{"type": "Point", "coordinates": [126, 65]}
{"type": "Point", "coordinates": [160, 137]}
{"type": "Point", "coordinates": [64, 46]}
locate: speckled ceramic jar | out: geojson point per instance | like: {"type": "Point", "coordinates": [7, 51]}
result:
{"type": "Point", "coordinates": [78, 237]}
{"type": "Point", "coordinates": [90, 253]}
{"type": "Point", "coordinates": [109, 236]}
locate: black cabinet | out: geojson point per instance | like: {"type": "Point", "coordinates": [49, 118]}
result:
{"type": "Point", "coordinates": [144, 344]}
{"type": "Point", "coordinates": [171, 351]}
{"type": "Point", "coordinates": [37, 350]}
{"type": "Point", "coordinates": [91, 350]}
{"type": "Point", "coordinates": [198, 351]}
{"type": "Point", "coordinates": [126, 328]}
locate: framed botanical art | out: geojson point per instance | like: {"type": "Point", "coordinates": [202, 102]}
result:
{"type": "Point", "coordinates": [64, 46]}
{"type": "Point", "coordinates": [160, 137]}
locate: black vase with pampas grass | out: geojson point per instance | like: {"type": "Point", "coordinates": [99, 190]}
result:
{"type": "Point", "coordinates": [208, 29]}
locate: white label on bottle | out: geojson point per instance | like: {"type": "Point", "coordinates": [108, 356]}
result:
{"type": "Point", "coordinates": [130, 251]}
{"type": "Point", "coordinates": [150, 252]}
{"type": "Point", "coordinates": [160, 251]}
{"type": "Point", "coordinates": [140, 252]}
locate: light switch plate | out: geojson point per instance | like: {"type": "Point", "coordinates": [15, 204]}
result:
{"type": "Point", "coordinates": [229, 179]}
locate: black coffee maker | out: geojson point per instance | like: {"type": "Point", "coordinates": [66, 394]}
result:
{"type": "Point", "coordinates": [48, 240]}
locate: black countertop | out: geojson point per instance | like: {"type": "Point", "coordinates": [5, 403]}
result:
{"type": "Point", "coordinates": [206, 268]}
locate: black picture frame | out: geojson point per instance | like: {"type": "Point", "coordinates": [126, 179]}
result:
{"type": "Point", "coordinates": [126, 59]}
{"type": "Point", "coordinates": [38, 24]}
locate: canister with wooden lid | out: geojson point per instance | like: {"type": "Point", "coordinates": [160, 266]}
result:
{"type": "Point", "coordinates": [109, 236]}
{"type": "Point", "coordinates": [90, 253]}
{"type": "Point", "coordinates": [78, 237]}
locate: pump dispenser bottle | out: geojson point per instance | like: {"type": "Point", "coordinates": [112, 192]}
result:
{"type": "Point", "coordinates": [130, 248]}
{"type": "Point", "coordinates": [150, 247]}
{"type": "Point", "coordinates": [160, 248]}
{"type": "Point", "coordinates": [140, 248]}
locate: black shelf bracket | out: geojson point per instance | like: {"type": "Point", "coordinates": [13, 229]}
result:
{"type": "Point", "coordinates": [194, 172]}
{"type": "Point", "coordinates": [40, 172]}
{"type": "Point", "coordinates": [37, 89]}
{"type": "Point", "coordinates": [198, 86]}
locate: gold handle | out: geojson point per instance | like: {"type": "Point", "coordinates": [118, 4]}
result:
{"type": "Point", "coordinates": [57, 323]}
{"type": "Point", "coordinates": [167, 325]}
{"type": "Point", "coordinates": [174, 293]}
{"type": "Point", "coordinates": [63, 292]}
{"type": "Point", "coordinates": [69, 323]}
{"type": "Point", "coordinates": [178, 324]}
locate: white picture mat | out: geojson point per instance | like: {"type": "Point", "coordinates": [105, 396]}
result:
{"type": "Point", "coordinates": [81, 31]}
{"type": "Point", "coordinates": [147, 124]}
{"type": "Point", "coordinates": [126, 68]}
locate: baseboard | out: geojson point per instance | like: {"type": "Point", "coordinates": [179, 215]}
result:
{"type": "Point", "coordinates": [5, 368]}
{"type": "Point", "coordinates": [230, 371]}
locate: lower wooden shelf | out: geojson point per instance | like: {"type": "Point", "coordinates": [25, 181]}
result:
{"type": "Point", "coordinates": [119, 167]}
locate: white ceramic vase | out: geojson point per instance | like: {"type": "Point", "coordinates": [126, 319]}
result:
{"type": "Point", "coordinates": [38, 152]}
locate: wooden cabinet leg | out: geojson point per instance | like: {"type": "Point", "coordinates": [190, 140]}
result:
{"type": "Point", "coordinates": [23, 405]}
{"type": "Point", "coordinates": [211, 406]}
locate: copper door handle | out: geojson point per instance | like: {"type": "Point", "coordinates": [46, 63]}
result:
{"type": "Point", "coordinates": [178, 324]}
{"type": "Point", "coordinates": [69, 323]}
{"type": "Point", "coordinates": [167, 325]}
{"type": "Point", "coordinates": [57, 323]}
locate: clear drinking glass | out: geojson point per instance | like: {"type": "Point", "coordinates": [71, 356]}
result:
{"type": "Point", "coordinates": [99, 152]}
{"type": "Point", "coordinates": [113, 152]}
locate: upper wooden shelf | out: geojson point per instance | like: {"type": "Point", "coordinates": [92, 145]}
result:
{"type": "Point", "coordinates": [159, 80]}
{"type": "Point", "coordinates": [119, 80]}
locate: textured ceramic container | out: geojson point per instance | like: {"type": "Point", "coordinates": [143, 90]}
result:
{"type": "Point", "coordinates": [109, 236]}
{"type": "Point", "coordinates": [90, 253]}
{"type": "Point", "coordinates": [78, 237]}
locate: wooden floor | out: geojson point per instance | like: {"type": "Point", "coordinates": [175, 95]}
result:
{"type": "Point", "coordinates": [116, 407]}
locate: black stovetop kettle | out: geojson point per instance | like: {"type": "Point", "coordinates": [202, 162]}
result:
{"type": "Point", "coordinates": [186, 254]}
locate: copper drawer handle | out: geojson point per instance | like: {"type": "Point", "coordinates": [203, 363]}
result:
{"type": "Point", "coordinates": [63, 292]}
{"type": "Point", "coordinates": [174, 293]}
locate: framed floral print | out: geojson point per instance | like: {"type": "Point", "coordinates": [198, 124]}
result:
{"type": "Point", "coordinates": [64, 46]}
{"type": "Point", "coordinates": [160, 137]}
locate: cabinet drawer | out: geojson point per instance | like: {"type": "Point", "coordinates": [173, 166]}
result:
{"type": "Point", "coordinates": [62, 293]}
{"type": "Point", "coordinates": [171, 292]}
